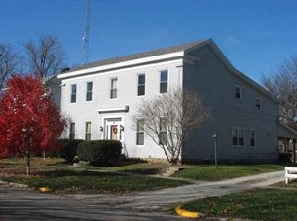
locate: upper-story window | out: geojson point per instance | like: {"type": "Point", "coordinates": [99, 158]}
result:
{"type": "Point", "coordinates": [73, 93]}
{"type": "Point", "coordinates": [163, 81]}
{"type": "Point", "coordinates": [258, 104]}
{"type": "Point", "coordinates": [114, 88]}
{"type": "Point", "coordinates": [237, 92]}
{"type": "Point", "coordinates": [89, 96]}
{"type": "Point", "coordinates": [141, 85]}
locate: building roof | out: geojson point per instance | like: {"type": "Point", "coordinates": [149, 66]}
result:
{"type": "Point", "coordinates": [157, 52]}
{"type": "Point", "coordinates": [140, 58]}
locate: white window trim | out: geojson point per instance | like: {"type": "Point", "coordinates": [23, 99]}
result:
{"type": "Point", "coordinates": [145, 84]}
{"type": "Point", "coordinates": [244, 140]}
{"type": "Point", "coordinates": [71, 94]}
{"type": "Point", "coordinates": [89, 91]}
{"type": "Point", "coordinates": [117, 88]}
{"type": "Point", "coordinates": [159, 82]}
{"type": "Point", "coordinates": [140, 145]}
{"type": "Point", "coordinates": [86, 122]}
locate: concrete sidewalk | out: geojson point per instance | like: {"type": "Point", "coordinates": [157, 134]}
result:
{"type": "Point", "coordinates": [153, 200]}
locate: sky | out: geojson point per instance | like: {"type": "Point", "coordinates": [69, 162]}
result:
{"type": "Point", "coordinates": [255, 35]}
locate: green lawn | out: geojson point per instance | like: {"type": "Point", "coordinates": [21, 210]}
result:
{"type": "Point", "coordinates": [260, 204]}
{"type": "Point", "coordinates": [212, 173]}
{"type": "Point", "coordinates": [58, 176]}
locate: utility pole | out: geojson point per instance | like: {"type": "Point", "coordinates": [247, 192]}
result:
{"type": "Point", "coordinates": [86, 33]}
{"type": "Point", "coordinates": [214, 136]}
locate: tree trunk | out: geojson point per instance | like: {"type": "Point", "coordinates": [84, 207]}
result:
{"type": "Point", "coordinates": [28, 164]}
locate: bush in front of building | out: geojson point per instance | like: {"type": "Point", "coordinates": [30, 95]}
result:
{"type": "Point", "coordinates": [68, 152]}
{"type": "Point", "coordinates": [284, 157]}
{"type": "Point", "coordinates": [99, 152]}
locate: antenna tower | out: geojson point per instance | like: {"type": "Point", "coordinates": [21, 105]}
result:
{"type": "Point", "coordinates": [86, 32]}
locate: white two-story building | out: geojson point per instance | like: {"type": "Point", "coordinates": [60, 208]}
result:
{"type": "Point", "coordinates": [100, 98]}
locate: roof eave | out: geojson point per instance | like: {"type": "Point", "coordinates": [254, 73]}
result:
{"type": "Point", "coordinates": [124, 64]}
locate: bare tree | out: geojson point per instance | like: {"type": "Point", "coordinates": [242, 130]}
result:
{"type": "Point", "coordinates": [283, 84]}
{"type": "Point", "coordinates": [46, 58]}
{"type": "Point", "coordinates": [7, 63]}
{"type": "Point", "coordinates": [170, 118]}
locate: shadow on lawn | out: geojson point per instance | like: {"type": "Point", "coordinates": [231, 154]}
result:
{"type": "Point", "coordinates": [81, 173]}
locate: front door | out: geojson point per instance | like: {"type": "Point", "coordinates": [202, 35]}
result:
{"type": "Point", "coordinates": [113, 129]}
{"type": "Point", "coordinates": [114, 132]}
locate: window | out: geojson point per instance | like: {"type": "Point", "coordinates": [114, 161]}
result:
{"type": "Point", "coordinates": [163, 132]}
{"type": "Point", "coordinates": [114, 88]}
{"type": "Point", "coordinates": [141, 85]}
{"type": "Point", "coordinates": [163, 81]}
{"type": "Point", "coordinates": [140, 132]}
{"type": "Point", "coordinates": [88, 130]}
{"type": "Point", "coordinates": [238, 92]}
{"type": "Point", "coordinates": [237, 136]}
{"type": "Point", "coordinates": [72, 131]}
{"type": "Point", "coordinates": [89, 96]}
{"type": "Point", "coordinates": [258, 104]}
{"type": "Point", "coordinates": [252, 143]}
{"type": "Point", "coordinates": [73, 93]}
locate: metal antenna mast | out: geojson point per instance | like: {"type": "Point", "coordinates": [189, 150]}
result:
{"type": "Point", "coordinates": [86, 32]}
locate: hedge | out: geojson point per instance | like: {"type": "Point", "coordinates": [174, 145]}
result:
{"type": "Point", "coordinates": [99, 152]}
{"type": "Point", "coordinates": [68, 152]}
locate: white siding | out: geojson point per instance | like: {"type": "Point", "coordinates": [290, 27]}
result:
{"type": "Point", "coordinates": [83, 111]}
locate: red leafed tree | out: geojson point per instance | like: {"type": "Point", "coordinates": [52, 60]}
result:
{"type": "Point", "coordinates": [30, 122]}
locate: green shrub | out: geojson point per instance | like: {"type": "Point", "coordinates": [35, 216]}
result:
{"type": "Point", "coordinates": [284, 157]}
{"type": "Point", "coordinates": [68, 152]}
{"type": "Point", "coordinates": [99, 152]}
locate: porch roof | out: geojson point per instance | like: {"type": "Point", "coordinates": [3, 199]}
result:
{"type": "Point", "coordinates": [285, 131]}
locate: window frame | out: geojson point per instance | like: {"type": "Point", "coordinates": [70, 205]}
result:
{"type": "Point", "coordinates": [258, 103]}
{"type": "Point", "coordinates": [237, 92]}
{"type": "Point", "coordinates": [238, 140]}
{"type": "Point", "coordinates": [113, 88]}
{"type": "Point", "coordinates": [88, 130]}
{"type": "Point", "coordinates": [163, 129]}
{"type": "Point", "coordinates": [72, 131]}
{"type": "Point", "coordinates": [73, 93]}
{"type": "Point", "coordinates": [140, 85]}
{"type": "Point", "coordinates": [252, 138]}
{"type": "Point", "coordinates": [89, 93]}
{"type": "Point", "coordinates": [162, 82]}
{"type": "Point", "coordinates": [140, 132]}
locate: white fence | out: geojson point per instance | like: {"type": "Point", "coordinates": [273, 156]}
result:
{"type": "Point", "coordinates": [290, 172]}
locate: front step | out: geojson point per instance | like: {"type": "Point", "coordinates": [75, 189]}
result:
{"type": "Point", "coordinates": [170, 170]}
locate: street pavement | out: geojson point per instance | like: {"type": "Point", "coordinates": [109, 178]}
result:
{"type": "Point", "coordinates": [24, 204]}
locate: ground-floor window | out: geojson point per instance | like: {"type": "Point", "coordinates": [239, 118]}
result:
{"type": "Point", "coordinates": [163, 132]}
{"type": "Point", "coordinates": [252, 141]}
{"type": "Point", "coordinates": [88, 131]}
{"type": "Point", "coordinates": [237, 136]}
{"type": "Point", "coordinates": [72, 131]}
{"type": "Point", "coordinates": [140, 132]}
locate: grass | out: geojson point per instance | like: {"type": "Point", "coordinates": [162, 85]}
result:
{"type": "Point", "coordinates": [260, 204]}
{"type": "Point", "coordinates": [212, 173]}
{"type": "Point", "coordinates": [58, 176]}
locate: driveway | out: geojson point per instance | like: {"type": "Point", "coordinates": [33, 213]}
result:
{"type": "Point", "coordinates": [153, 200]}
{"type": "Point", "coordinates": [24, 204]}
